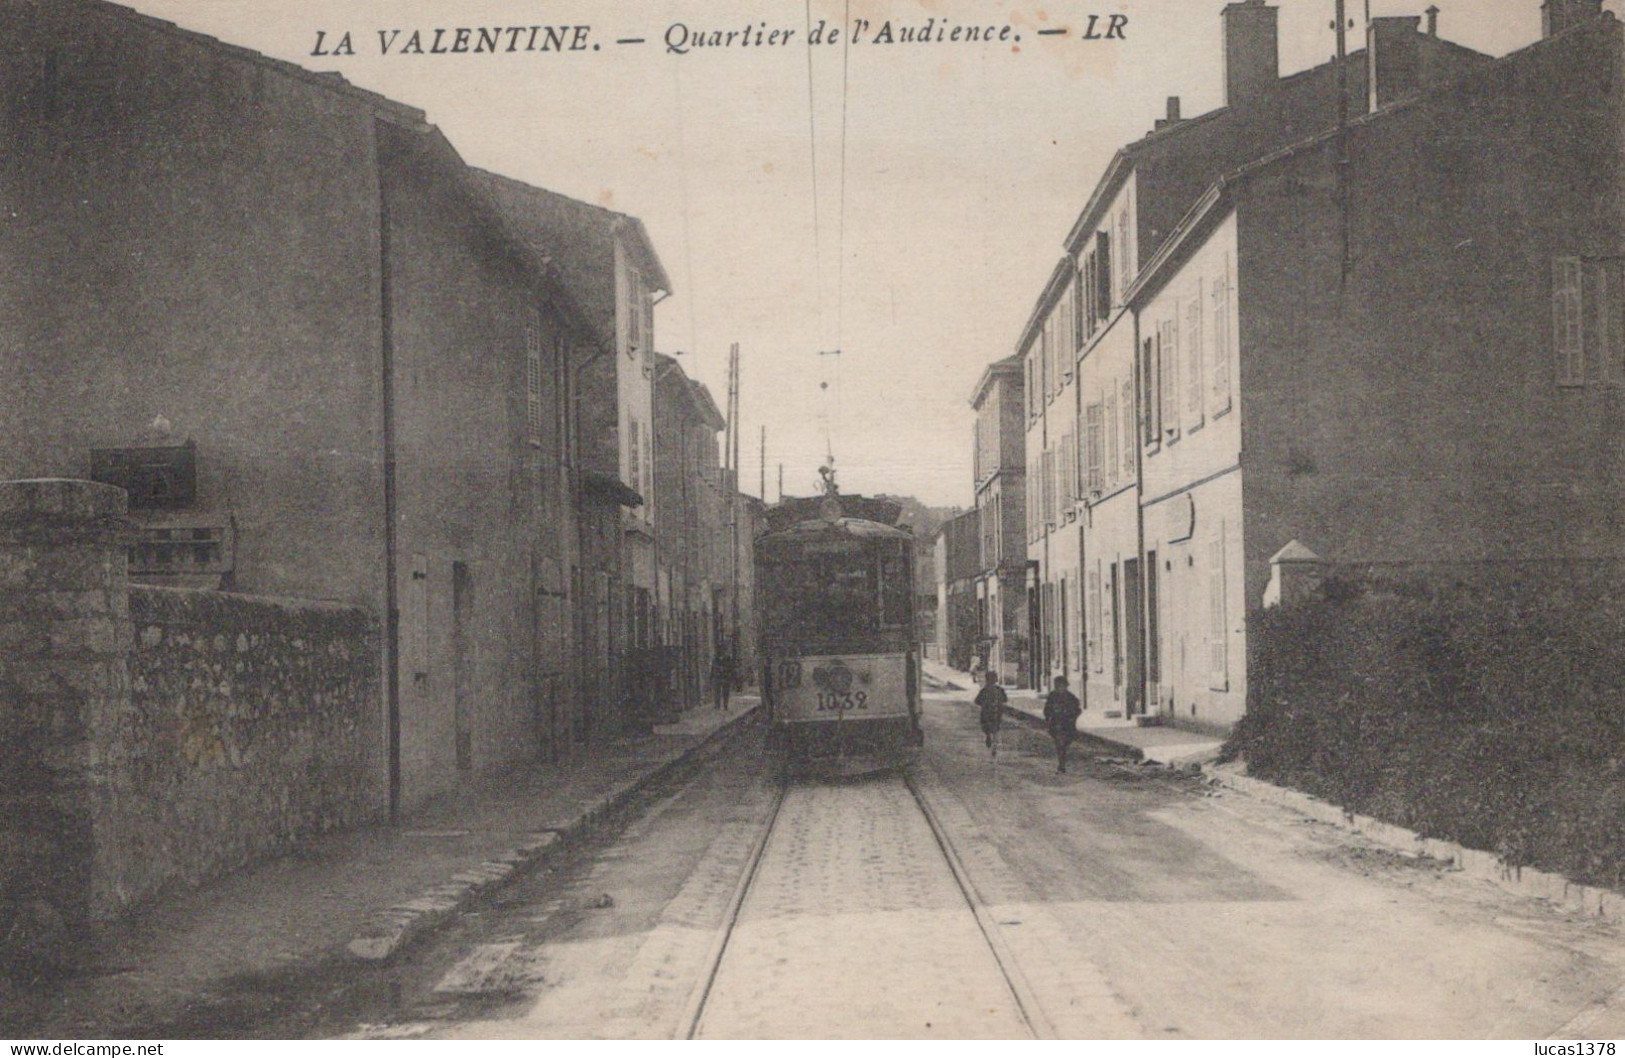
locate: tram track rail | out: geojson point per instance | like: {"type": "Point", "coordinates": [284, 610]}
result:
{"type": "Point", "coordinates": [1026, 1005]}
{"type": "Point", "coordinates": [1020, 989]}
{"type": "Point", "coordinates": [694, 1010]}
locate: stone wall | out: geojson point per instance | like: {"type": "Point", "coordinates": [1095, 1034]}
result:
{"type": "Point", "coordinates": [152, 736]}
{"type": "Point", "coordinates": [253, 723]}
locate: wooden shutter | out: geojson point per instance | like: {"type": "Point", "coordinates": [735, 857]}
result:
{"type": "Point", "coordinates": [1568, 331]}
{"type": "Point", "coordinates": [1103, 273]}
{"type": "Point", "coordinates": [1219, 373]}
{"type": "Point", "coordinates": [1218, 641]}
{"type": "Point", "coordinates": [535, 414]}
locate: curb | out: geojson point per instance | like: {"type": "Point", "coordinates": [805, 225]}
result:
{"type": "Point", "coordinates": [1587, 900]}
{"type": "Point", "coordinates": [389, 931]}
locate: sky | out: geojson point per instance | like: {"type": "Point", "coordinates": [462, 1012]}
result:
{"type": "Point", "coordinates": [901, 203]}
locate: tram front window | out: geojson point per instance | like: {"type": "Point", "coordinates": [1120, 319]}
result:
{"type": "Point", "coordinates": [821, 603]}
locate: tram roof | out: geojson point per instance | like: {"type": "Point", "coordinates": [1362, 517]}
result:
{"type": "Point", "coordinates": [858, 527]}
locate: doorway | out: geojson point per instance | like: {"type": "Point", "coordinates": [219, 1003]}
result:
{"type": "Point", "coordinates": [1134, 640]}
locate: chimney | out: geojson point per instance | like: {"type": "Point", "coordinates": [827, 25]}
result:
{"type": "Point", "coordinates": [1393, 55]}
{"type": "Point", "coordinates": [1252, 60]}
{"type": "Point", "coordinates": [1433, 19]}
{"type": "Point", "coordinates": [1558, 15]}
{"type": "Point", "coordinates": [1173, 114]}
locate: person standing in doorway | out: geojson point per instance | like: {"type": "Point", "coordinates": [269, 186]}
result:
{"type": "Point", "coordinates": [1061, 712]}
{"type": "Point", "coordinates": [991, 699]}
{"type": "Point", "coordinates": [722, 675]}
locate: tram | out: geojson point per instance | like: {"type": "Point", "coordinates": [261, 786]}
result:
{"type": "Point", "coordinates": [835, 614]}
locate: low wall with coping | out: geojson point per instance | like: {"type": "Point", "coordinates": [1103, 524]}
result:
{"type": "Point", "coordinates": [153, 736]}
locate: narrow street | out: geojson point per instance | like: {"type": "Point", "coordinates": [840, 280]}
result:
{"type": "Point", "coordinates": [1100, 905]}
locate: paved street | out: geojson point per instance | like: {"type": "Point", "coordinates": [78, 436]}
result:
{"type": "Point", "coordinates": [1115, 900]}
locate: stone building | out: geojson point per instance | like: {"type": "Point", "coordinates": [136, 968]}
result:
{"type": "Point", "coordinates": [326, 360]}
{"type": "Point", "coordinates": [1414, 360]}
{"type": "Point", "coordinates": [999, 469]}
{"type": "Point", "coordinates": [608, 264]}
{"type": "Point", "coordinates": [1079, 347]}
{"type": "Point", "coordinates": [958, 560]}
{"type": "Point", "coordinates": [690, 513]}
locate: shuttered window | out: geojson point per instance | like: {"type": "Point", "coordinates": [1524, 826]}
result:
{"type": "Point", "coordinates": [1568, 330]}
{"type": "Point", "coordinates": [535, 412]}
{"type": "Point", "coordinates": [1129, 427]}
{"type": "Point", "coordinates": [1219, 371]}
{"type": "Point", "coordinates": [1096, 623]}
{"type": "Point", "coordinates": [1103, 277]}
{"type": "Point", "coordinates": [1109, 434]}
{"type": "Point", "coordinates": [1168, 352]}
{"type": "Point", "coordinates": [1194, 392]}
{"type": "Point", "coordinates": [1217, 637]}
{"type": "Point", "coordinates": [1588, 320]}
{"type": "Point", "coordinates": [1092, 474]}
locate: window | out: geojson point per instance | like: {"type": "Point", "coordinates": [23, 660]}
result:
{"type": "Point", "coordinates": [1125, 267]}
{"type": "Point", "coordinates": [636, 308]}
{"type": "Point", "coordinates": [894, 590]}
{"type": "Point", "coordinates": [634, 449]}
{"type": "Point", "coordinates": [158, 478]}
{"type": "Point", "coordinates": [161, 551]}
{"type": "Point", "coordinates": [1108, 431]}
{"type": "Point", "coordinates": [1091, 291]}
{"type": "Point", "coordinates": [1219, 375]}
{"type": "Point", "coordinates": [1046, 343]}
{"type": "Point", "coordinates": [1064, 327]}
{"type": "Point", "coordinates": [1103, 276]}
{"type": "Point", "coordinates": [1128, 427]}
{"type": "Point", "coordinates": [1080, 329]}
{"type": "Point", "coordinates": [1193, 361]}
{"type": "Point", "coordinates": [1150, 398]}
{"type": "Point", "coordinates": [1588, 332]}
{"type": "Point", "coordinates": [1218, 640]}
{"type": "Point", "coordinates": [534, 413]}
{"type": "Point", "coordinates": [1168, 355]}
{"type": "Point", "coordinates": [1050, 474]}
{"type": "Point", "coordinates": [1096, 623]}
{"type": "Point", "coordinates": [1092, 464]}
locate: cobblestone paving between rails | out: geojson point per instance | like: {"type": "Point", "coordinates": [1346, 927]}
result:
{"type": "Point", "coordinates": [627, 970]}
{"type": "Point", "coordinates": [1127, 905]}
{"type": "Point", "coordinates": [854, 927]}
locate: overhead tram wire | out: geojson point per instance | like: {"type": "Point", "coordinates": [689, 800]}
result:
{"type": "Point", "coordinates": [840, 264]}
{"type": "Point", "coordinates": [818, 264]}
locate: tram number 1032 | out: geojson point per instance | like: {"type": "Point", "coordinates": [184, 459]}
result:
{"type": "Point", "coordinates": [843, 703]}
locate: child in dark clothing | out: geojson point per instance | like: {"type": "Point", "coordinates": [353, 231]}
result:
{"type": "Point", "coordinates": [991, 699]}
{"type": "Point", "coordinates": [1061, 712]}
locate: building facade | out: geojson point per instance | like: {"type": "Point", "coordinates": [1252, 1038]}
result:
{"type": "Point", "coordinates": [609, 265]}
{"type": "Point", "coordinates": [1230, 293]}
{"type": "Point", "coordinates": [1000, 471]}
{"type": "Point", "coordinates": [958, 560]}
{"type": "Point", "coordinates": [326, 359]}
{"type": "Point", "coordinates": [1456, 398]}
{"type": "Point", "coordinates": [689, 512]}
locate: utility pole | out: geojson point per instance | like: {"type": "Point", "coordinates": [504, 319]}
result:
{"type": "Point", "coordinates": [733, 497]}
{"type": "Point", "coordinates": [761, 488]}
{"type": "Point", "coordinates": [1342, 162]}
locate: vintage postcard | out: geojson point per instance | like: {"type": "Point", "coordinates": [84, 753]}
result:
{"type": "Point", "coordinates": [808, 519]}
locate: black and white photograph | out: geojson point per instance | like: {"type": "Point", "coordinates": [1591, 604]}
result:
{"type": "Point", "coordinates": [917, 520]}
